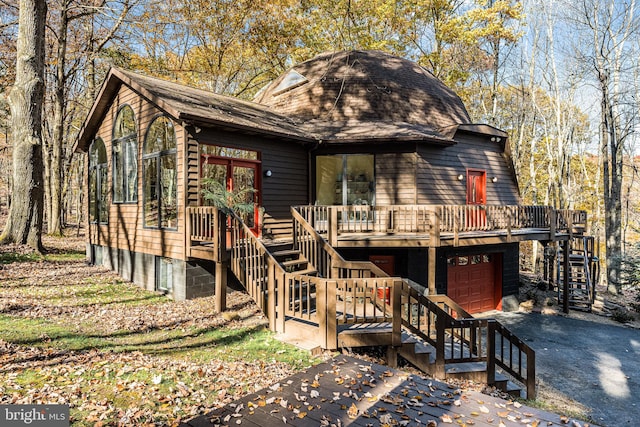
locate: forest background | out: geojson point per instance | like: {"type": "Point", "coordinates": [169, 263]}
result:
{"type": "Point", "coordinates": [560, 76]}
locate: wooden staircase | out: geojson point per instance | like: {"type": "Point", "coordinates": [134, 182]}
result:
{"type": "Point", "coordinates": [311, 294]}
{"type": "Point", "coordinates": [581, 272]}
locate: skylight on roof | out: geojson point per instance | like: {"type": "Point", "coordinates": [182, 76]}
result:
{"type": "Point", "coordinates": [291, 80]}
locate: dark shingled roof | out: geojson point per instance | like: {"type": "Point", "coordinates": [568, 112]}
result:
{"type": "Point", "coordinates": [362, 89]}
{"type": "Point", "coordinates": [339, 97]}
{"type": "Point", "coordinates": [190, 105]}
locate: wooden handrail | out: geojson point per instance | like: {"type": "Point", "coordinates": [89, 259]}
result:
{"type": "Point", "coordinates": [438, 320]}
{"type": "Point", "coordinates": [513, 355]}
{"type": "Point", "coordinates": [360, 292]}
{"type": "Point", "coordinates": [323, 256]}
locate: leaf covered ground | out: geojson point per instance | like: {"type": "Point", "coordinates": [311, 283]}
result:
{"type": "Point", "coordinates": [76, 334]}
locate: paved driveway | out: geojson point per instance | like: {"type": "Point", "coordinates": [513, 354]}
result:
{"type": "Point", "coordinates": [596, 365]}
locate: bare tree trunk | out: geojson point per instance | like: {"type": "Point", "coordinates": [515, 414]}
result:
{"type": "Point", "coordinates": [24, 224]}
{"type": "Point", "coordinates": [57, 137]}
{"type": "Point", "coordinates": [611, 159]}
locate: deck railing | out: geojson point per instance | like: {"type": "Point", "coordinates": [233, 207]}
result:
{"type": "Point", "coordinates": [460, 338]}
{"type": "Point", "coordinates": [361, 293]}
{"type": "Point", "coordinates": [438, 221]}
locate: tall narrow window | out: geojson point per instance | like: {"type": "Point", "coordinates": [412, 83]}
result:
{"type": "Point", "coordinates": [125, 157]}
{"type": "Point", "coordinates": [160, 175]}
{"type": "Point", "coordinates": [98, 208]}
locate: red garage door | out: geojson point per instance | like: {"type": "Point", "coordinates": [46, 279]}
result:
{"type": "Point", "coordinates": [472, 282]}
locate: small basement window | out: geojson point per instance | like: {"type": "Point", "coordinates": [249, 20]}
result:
{"type": "Point", "coordinates": [164, 273]}
{"type": "Point", "coordinates": [292, 80]}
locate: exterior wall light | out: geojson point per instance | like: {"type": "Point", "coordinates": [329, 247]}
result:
{"type": "Point", "coordinates": [460, 177]}
{"type": "Point", "coordinates": [268, 173]}
{"type": "Point", "coordinates": [494, 179]}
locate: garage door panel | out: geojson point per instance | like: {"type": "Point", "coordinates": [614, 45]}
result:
{"type": "Point", "coordinates": [471, 283]}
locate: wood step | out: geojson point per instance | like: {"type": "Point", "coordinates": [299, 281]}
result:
{"type": "Point", "coordinates": [365, 335]}
{"type": "Point", "coordinates": [308, 272]}
{"type": "Point", "coordinates": [282, 255]}
{"type": "Point", "coordinates": [294, 263]}
{"type": "Point", "coordinates": [301, 334]}
{"type": "Point", "coordinates": [473, 371]}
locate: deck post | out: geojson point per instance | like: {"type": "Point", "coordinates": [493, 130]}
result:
{"type": "Point", "coordinates": [280, 309]}
{"type": "Point", "coordinates": [321, 309]}
{"type": "Point", "coordinates": [565, 277]}
{"type": "Point", "coordinates": [396, 304]}
{"type": "Point", "coordinates": [332, 226]}
{"type": "Point", "coordinates": [491, 351]}
{"type": "Point", "coordinates": [509, 224]}
{"type": "Point", "coordinates": [221, 287]}
{"type": "Point", "coordinates": [439, 367]}
{"type": "Point", "coordinates": [271, 295]}
{"type": "Point", "coordinates": [531, 375]}
{"type": "Point", "coordinates": [188, 232]}
{"type": "Point", "coordinates": [552, 224]}
{"type": "Point", "coordinates": [435, 229]}
{"type": "Point", "coordinates": [456, 227]}
{"type": "Point", "coordinates": [332, 317]}
{"type": "Point", "coordinates": [221, 261]}
{"type": "Point", "coordinates": [431, 270]}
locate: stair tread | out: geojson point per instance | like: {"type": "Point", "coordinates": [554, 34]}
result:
{"type": "Point", "coordinates": [369, 330]}
{"type": "Point", "coordinates": [307, 272]}
{"type": "Point", "coordinates": [285, 253]}
{"type": "Point", "coordinates": [293, 262]}
{"type": "Point", "coordinates": [465, 367]}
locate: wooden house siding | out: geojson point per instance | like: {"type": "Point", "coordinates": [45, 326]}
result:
{"type": "Point", "coordinates": [438, 168]}
{"type": "Point", "coordinates": [287, 186]}
{"type": "Point", "coordinates": [125, 229]}
{"type": "Point", "coordinates": [395, 179]}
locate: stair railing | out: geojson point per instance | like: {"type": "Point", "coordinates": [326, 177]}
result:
{"type": "Point", "coordinates": [460, 338]}
{"type": "Point", "coordinates": [513, 355]}
{"type": "Point", "coordinates": [257, 270]}
{"type": "Point", "coordinates": [324, 257]}
{"type": "Point", "coordinates": [457, 337]}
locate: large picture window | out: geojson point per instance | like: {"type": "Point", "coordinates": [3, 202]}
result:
{"type": "Point", "coordinates": [345, 179]}
{"type": "Point", "coordinates": [160, 175]}
{"type": "Point", "coordinates": [98, 208]}
{"type": "Point", "coordinates": [125, 157]}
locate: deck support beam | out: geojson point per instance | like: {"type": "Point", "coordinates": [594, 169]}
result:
{"type": "Point", "coordinates": [565, 276]}
{"type": "Point", "coordinates": [221, 259]}
{"type": "Point", "coordinates": [221, 286]}
{"type": "Point", "coordinates": [431, 271]}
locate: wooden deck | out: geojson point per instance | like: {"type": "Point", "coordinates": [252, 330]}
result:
{"type": "Point", "coordinates": [406, 226]}
{"type": "Point", "coordinates": [469, 238]}
{"type": "Point", "coordinates": [347, 391]}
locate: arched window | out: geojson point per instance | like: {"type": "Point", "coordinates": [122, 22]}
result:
{"type": "Point", "coordinates": [98, 208]}
{"type": "Point", "coordinates": [125, 157]}
{"type": "Point", "coordinates": [160, 175]}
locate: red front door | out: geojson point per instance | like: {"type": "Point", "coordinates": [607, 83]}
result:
{"type": "Point", "coordinates": [240, 179]}
{"type": "Point", "coordinates": [476, 216]}
{"type": "Point", "coordinates": [471, 282]}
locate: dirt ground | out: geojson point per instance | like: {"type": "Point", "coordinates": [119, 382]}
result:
{"type": "Point", "coordinates": [608, 308]}
{"type": "Point", "coordinates": [534, 297]}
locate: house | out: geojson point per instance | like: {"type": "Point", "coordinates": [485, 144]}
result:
{"type": "Point", "coordinates": [368, 187]}
{"type": "Point", "coordinates": [354, 129]}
